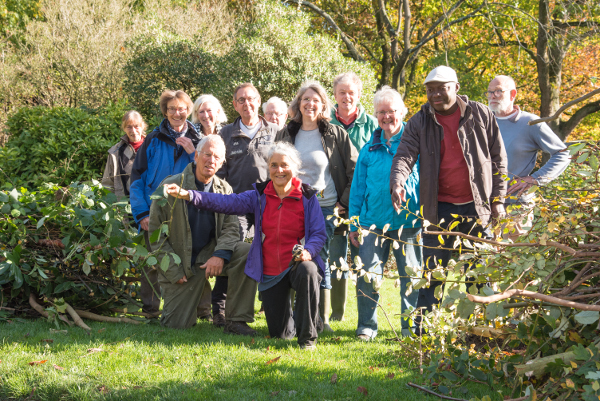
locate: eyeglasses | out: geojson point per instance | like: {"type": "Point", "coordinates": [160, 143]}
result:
{"type": "Point", "coordinates": [242, 100]}
{"type": "Point", "coordinates": [384, 113]}
{"type": "Point", "coordinates": [497, 92]}
{"type": "Point", "coordinates": [173, 110]}
{"type": "Point", "coordinates": [212, 155]}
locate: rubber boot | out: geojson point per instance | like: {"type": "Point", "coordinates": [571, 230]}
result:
{"type": "Point", "coordinates": [324, 307]}
{"type": "Point", "coordinates": [339, 293]}
{"type": "Point", "coordinates": [293, 298]}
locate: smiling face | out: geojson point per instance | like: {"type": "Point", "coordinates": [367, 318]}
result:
{"type": "Point", "coordinates": [347, 96]}
{"type": "Point", "coordinates": [280, 170]}
{"type": "Point", "coordinates": [134, 130]}
{"type": "Point", "coordinates": [177, 113]}
{"type": "Point", "coordinates": [442, 96]}
{"type": "Point", "coordinates": [246, 103]}
{"type": "Point", "coordinates": [389, 117]}
{"type": "Point", "coordinates": [276, 114]}
{"type": "Point", "coordinates": [207, 115]}
{"type": "Point", "coordinates": [208, 161]}
{"type": "Point", "coordinates": [311, 105]}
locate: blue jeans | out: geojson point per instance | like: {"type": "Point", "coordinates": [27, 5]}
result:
{"type": "Point", "coordinates": [339, 249]}
{"type": "Point", "coordinates": [329, 229]}
{"type": "Point", "coordinates": [374, 258]}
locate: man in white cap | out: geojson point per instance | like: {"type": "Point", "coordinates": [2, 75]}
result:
{"type": "Point", "coordinates": [462, 161]}
{"type": "Point", "coordinates": [523, 141]}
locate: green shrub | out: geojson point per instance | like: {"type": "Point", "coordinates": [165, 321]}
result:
{"type": "Point", "coordinates": [156, 66]}
{"type": "Point", "coordinates": [276, 51]}
{"type": "Point", "coordinates": [59, 144]}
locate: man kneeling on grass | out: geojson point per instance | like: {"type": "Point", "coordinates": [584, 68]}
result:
{"type": "Point", "coordinates": [207, 244]}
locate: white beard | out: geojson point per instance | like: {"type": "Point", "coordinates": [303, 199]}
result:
{"type": "Point", "coordinates": [503, 106]}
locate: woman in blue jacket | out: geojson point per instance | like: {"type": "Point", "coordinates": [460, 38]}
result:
{"type": "Point", "coordinates": [371, 201]}
{"type": "Point", "coordinates": [167, 150]}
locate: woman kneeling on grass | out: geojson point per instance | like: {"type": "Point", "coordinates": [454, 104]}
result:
{"type": "Point", "coordinates": [289, 214]}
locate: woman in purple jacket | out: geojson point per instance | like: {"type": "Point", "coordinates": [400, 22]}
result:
{"type": "Point", "coordinates": [288, 236]}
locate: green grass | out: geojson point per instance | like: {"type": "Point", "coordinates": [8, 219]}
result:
{"type": "Point", "coordinates": [150, 362]}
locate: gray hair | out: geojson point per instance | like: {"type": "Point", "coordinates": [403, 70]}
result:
{"type": "Point", "coordinates": [288, 150]}
{"type": "Point", "coordinates": [294, 109]}
{"type": "Point", "coordinates": [214, 139]}
{"type": "Point", "coordinates": [276, 101]}
{"type": "Point", "coordinates": [221, 117]}
{"type": "Point", "coordinates": [391, 95]}
{"type": "Point", "coordinates": [348, 77]}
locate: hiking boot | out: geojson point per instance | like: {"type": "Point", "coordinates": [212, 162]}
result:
{"type": "Point", "coordinates": [207, 318]}
{"type": "Point", "coordinates": [308, 346]}
{"type": "Point", "coordinates": [218, 320]}
{"type": "Point", "coordinates": [240, 328]}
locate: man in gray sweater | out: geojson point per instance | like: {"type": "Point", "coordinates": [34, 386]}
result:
{"type": "Point", "coordinates": [522, 142]}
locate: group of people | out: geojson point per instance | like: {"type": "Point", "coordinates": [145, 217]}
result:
{"type": "Point", "coordinates": [276, 178]}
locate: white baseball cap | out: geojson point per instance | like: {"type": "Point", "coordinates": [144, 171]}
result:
{"type": "Point", "coordinates": [441, 74]}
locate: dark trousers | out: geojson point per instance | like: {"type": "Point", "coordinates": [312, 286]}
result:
{"type": "Point", "coordinates": [219, 291]}
{"type": "Point", "coordinates": [281, 321]}
{"type": "Point", "coordinates": [433, 255]}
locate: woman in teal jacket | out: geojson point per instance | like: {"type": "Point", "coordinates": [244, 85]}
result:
{"type": "Point", "coordinates": [371, 201]}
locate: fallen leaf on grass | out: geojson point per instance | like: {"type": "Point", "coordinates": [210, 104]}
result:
{"type": "Point", "coordinates": [103, 389]}
{"type": "Point", "coordinates": [390, 376]}
{"type": "Point", "coordinates": [38, 362]}
{"type": "Point", "coordinates": [362, 390]}
{"type": "Point", "coordinates": [59, 331]}
{"type": "Point", "coordinates": [101, 330]}
{"type": "Point", "coordinates": [268, 347]}
{"type": "Point", "coordinates": [252, 342]}
{"type": "Point", "coordinates": [58, 367]}
{"type": "Point", "coordinates": [137, 387]}
{"type": "Point", "coordinates": [334, 378]}
{"type": "Point", "coordinates": [274, 393]}
{"type": "Point", "coordinates": [336, 339]}
{"type": "Point", "coordinates": [272, 360]}
{"type": "Point", "coordinates": [92, 350]}
{"type": "Point", "coordinates": [47, 340]}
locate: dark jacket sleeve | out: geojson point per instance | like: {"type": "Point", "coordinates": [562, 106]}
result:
{"type": "Point", "coordinates": [232, 204]}
{"type": "Point", "coordinates": [407, 153]}
{"type": "Point", "coordinates": [349, 156]}
{"type": "Point", "coordinates": [318, 235]}
{"type": "Point", "coordinates": [498, 156]}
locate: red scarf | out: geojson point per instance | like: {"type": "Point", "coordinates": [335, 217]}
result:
{"type": "Point", "coordinates": [136, 145]}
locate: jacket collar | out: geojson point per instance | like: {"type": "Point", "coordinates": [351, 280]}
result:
{"type": "Point", "coordinates": [361, 118]}
{"type": "Point", "coordinates": [293, 127]}
{"type": "Point", "coordinates": [461, 100]}
{"type": "Point", "coordinates": [237, 130]}
{"type": "Point", "coordinates": [307, 191]}
{"type": "Point", "coordinates": [376, 139]}
{"type": "Point", "coordinates": [191, 132]}
{"type": "Point", "coordinates": [189, 179]}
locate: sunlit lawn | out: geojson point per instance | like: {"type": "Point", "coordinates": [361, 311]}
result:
{"type": "Point", "coordinates": [153, 363]}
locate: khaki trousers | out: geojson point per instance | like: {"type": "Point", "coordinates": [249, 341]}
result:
{"type": "Point", "coordinates": [181, 300]}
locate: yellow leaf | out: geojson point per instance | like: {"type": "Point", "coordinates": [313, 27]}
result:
{"type": "Point", "coordinates": [573, 365]}
{"type": "Point", "coordinates": [570, 383]}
